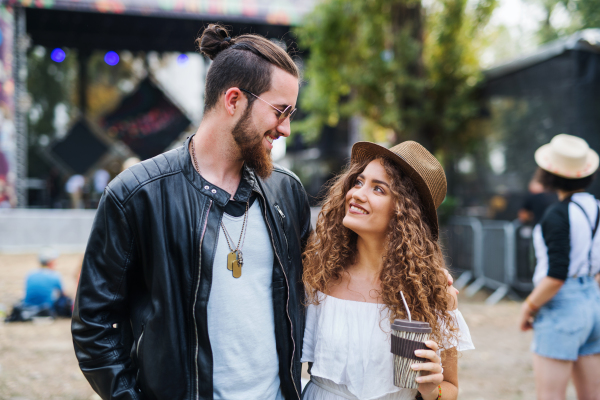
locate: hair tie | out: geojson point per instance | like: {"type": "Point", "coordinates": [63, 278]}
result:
{"type": "Point", "coordinates": [227, 39]}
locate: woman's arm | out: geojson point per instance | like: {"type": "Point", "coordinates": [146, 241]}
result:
{"type": "Point", "coordinates": [432, 374]}
{"type": "Point", "coordinates": [450, 383]}
{"type": "Point", "coordinates": [546, 290]}
{"type": "Point", "coordinates": [435, 376]}
{"type": "Point", "coordinates": [556, 233]}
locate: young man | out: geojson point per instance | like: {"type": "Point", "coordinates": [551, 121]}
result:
{"type": "Point", "coordinates": [191, 283]}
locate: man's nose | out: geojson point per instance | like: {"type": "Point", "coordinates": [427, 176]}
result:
{"type": "Point", "coordinates": [284, 128]}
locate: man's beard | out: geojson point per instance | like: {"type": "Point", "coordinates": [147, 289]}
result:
{"type": "Point", "coordinates": [254, 153]}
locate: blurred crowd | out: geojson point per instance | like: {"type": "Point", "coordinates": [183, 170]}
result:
{"type": "Point", "coordinates": [76, 191]}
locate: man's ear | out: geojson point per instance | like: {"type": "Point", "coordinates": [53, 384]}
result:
{"type": "Point", "coordinates": [234, 99]}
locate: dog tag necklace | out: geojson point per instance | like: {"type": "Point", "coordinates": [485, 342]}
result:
{"type": "Point", "coordinates": [235, 259]}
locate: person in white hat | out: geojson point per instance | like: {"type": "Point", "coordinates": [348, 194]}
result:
{"type": "Point", "coordinates": [564, 307]}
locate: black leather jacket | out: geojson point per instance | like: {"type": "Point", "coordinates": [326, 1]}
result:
{"type": "Point", "coordinates": [139, 324]}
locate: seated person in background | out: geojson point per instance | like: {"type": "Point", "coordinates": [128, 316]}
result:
{"type": "Point", "coordinates": [44, 296]}
{"type": "Point", "coordinates": [43, 286]}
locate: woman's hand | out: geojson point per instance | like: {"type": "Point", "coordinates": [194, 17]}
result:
{"type": "Point", "coordinates": [543, 293]}
{"type": "Point", "coordinates": [431, 372]}
{"type": "Point", "coordinates": [452, 292]}
{"type": "Point", "coordinates": [526, 317]}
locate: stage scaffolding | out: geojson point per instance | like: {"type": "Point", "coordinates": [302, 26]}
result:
{"type": "Point", "coordinates": [132, 25]}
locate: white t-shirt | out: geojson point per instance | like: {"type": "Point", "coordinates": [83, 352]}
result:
{"type": "Point", "coordinates": [241, 324]}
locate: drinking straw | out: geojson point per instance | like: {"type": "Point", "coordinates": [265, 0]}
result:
{"type": "Point", "coordinates": [405, 306]}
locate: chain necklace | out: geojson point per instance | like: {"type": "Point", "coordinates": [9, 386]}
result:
{"type": "Point", "coordinates": [235, 259]}
{"type": "Point", "coordinates": [194, 157]}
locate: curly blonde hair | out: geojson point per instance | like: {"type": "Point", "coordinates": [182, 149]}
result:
{"type": "Point", "coordinates": [412, 262]}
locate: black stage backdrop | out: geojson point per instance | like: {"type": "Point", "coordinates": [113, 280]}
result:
{"type": "Point", "coordinates": [146, 121]}
{"type": "Point", "coordinates": [80, 148]}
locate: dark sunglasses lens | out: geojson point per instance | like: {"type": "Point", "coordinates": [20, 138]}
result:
{"type": "Point", "coordinates": [292, 114]}
{"type": "Point", "coordinates": [285, 113]}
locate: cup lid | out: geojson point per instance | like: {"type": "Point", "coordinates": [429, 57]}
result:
{"type": "Point", "coordinates": [411, 326]}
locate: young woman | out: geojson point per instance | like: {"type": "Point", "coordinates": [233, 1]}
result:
{"type": "Point", "coordinates": [376, 236]}
{"type": "Point", "coordinates": [564, 307]}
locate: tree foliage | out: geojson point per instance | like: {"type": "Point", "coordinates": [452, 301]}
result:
{"type": "Point", "coordinates": [49, 84]}
{"type": "Point", "coordinates": [404, 68]}
{"type": "Point", "coordinates": [581, 14]}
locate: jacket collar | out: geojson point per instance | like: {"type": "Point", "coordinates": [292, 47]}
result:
{"type": "Point", "coordinates": [218, 195]}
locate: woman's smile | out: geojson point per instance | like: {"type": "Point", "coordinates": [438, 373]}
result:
{"type": "Point", "coordinates": [356, 209]}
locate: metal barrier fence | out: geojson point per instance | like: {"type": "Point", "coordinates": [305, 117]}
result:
{"type": "Point", "coordinates": [462, 245]}
{"type": "Point", "coordinates": [524, 258]}
{"type": "Point", "coordinates": [498, 255]}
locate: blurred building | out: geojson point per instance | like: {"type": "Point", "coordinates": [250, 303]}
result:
{"type": "Point", "coordinates": [528, 101]}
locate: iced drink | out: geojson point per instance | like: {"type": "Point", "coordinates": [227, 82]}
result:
{"type": "Point", "coordinates": [408, 336]}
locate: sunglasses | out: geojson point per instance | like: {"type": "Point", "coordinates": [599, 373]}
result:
{"type": "Point", "coordinates": [287, 112]}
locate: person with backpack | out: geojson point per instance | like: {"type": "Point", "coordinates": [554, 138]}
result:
{"type": "Point", "coordinates": [564, 308]}
{"type": "Point", "coordinates": [44, 296]}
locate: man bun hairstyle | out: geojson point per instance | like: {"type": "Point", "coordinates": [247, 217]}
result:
{"type": "Point", "coordinates": [214, 40]}
{"type": "Point", "coordinates": [245, 61]}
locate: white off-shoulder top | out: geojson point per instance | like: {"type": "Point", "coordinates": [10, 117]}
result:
{"type": "Point", "coordinates": [348, 343]}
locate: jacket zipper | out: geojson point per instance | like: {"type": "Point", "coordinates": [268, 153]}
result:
{"type": "Point", "coordinates": [137, 348]}
{"type": "Point", "coordinates": [282, 217]}
{"type": "Point", "coordinates": [137, 355]}
{"type": "Point", "coordinates": [288, 293]}
{"type": "Point", "coordinates": [196, 299]}
{"type": "Point", "coordinates": [280, 212]}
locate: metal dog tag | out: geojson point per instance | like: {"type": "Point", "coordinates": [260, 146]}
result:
{"type": "Point", "coordinates": [237, 268]}
{"type": "Point", "coordinates": [231, 258]}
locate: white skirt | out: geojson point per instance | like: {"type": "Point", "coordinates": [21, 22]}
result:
{"type": "Point", "coordinates": [325, 389]}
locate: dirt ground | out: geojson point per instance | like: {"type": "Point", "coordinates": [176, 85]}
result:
{"type": "Point", "coordinates": [37, 361]}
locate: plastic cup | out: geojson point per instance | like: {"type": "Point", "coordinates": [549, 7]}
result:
{"type": "Point", "coordinates": [408, 336]}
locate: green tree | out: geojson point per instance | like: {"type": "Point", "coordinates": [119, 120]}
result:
{"type": "Point", "coordinates": [589, 12]}
{"type": "Point", "coordinates": [404, 68]}
{"type": "Point", "coordinates": [49, 84]}
{"type": "Point", "coordinates": [582, 14]}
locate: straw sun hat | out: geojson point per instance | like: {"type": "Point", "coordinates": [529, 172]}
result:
{"type": "Point", "coordinates": [420, 165]}
{"type": "Point", "coordinates": [567, 156]}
